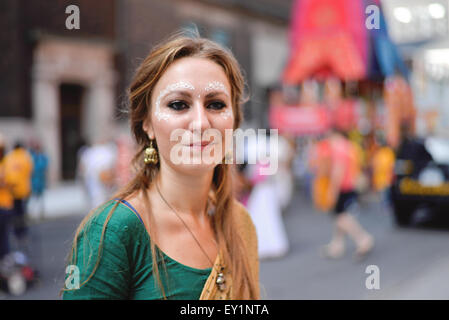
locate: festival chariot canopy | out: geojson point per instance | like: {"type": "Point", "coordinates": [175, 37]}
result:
{"type": "Point", "coordinates": [346, 40]}
{"type": "Point", "coordinates": [340, 38]}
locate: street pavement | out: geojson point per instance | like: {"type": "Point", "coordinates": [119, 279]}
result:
{"type": "Point", "coordinates": [412, 262]}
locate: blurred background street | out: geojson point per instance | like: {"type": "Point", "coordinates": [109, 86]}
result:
{"type": "Point", "coordinates": [413, 262]}
{"type": "Point", "coordinates": [357, 87]}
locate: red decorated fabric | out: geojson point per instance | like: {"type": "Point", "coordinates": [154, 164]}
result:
{"type": "Point", "coordinates": [327, 37]}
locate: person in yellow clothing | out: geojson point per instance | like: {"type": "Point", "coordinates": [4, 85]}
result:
{"type": "Point", "coordinates": [6, 203]}
{"type": "Point", "coordinates": [383, 163]}
{"type": "Point", "coordinates": [18, 170]}
{"type": "Point", "coordinates": [383, 166]}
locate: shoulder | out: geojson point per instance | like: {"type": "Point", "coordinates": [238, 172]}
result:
{"type": "Point", "coordinates": [242, 214]}
{"type": "Point", "coordinates": [118, 219]}
{"type": "Point", "coordinates": [105, 253]}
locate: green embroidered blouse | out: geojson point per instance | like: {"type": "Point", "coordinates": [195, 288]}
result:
{"type": "Point", "coordinates": [125, 270]}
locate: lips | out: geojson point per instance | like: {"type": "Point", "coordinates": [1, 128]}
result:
{"type": "Point", "coordinates": [202, 144]}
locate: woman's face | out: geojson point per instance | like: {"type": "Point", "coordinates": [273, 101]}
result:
{"type": "Point", "coordinates": [191, 114]}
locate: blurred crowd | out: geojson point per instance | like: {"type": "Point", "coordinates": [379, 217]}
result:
{"type": "Point", "coordinates": [22, 177]}
{"type": "Point", "coordinates": [333, 169]}
{"type": "Point", "coordinates": [102, 167]}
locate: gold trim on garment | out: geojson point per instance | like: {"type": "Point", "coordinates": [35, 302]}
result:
{"type": "Point", "coordinates": [211, 290]}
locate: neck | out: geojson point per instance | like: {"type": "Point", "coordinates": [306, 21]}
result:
{"type": "Point", "coordinates": [187, 194]}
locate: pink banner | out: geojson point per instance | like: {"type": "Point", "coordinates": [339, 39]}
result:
{"type": "Point", "coordinates": [300, 120]}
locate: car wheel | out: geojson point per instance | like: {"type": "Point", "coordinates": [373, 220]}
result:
{"type": "Point", "coordinates": [403, 215]}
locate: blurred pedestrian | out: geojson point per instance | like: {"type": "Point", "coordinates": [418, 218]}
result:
{"type": "Point", "coordinates": [342, 187]}
{"type": "Point", "coordinates": [18, 168]}
{"type": "Point", "coordinates": [382, 168]}
{"type": "Point", "coordinates": [284, 178]}
{"type": "Point", "coordinates": [97, 167]}
{"type": "Point", "coordinates": [320, 159]}
{"type": "Point", "coordinates": [6, 203]}
{"type": "Point", "coordinates": [265, 207]}
{"type": "Point", "coordinates": [39, 176]}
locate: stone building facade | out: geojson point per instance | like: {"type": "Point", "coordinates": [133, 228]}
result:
{"type": "Point", "coordinates": [62, 86]}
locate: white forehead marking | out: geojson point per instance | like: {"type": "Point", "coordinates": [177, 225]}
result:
{"type": "Point", "coordinates": [216, 85]}
{"type": "Point", "coordinates": [170, 88]}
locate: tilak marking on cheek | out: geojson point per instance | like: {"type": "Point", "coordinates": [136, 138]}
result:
{"type": "Point", "coordinates": [172, 87]}
{"type": "Point", "coordinates": [226, 113]}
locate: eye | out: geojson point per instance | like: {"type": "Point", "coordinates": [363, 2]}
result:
{"type": "Point", "coordinates": [216, 105]}
{"type": "Point", "coordinates": [178, 105]}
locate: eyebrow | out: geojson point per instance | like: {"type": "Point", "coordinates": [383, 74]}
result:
{"type": "Point", "coordinates": [188, 94]}
{"type": "Point", "coordinates": [216, 93]}
{"type": "Point", "coordinates": [180, 92]}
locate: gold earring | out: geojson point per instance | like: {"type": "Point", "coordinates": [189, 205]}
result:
{"type": "Point", "coordinates": [150, 154]}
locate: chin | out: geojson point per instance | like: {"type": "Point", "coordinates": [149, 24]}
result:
{"type": "Point", "coordinates": [195, 169]}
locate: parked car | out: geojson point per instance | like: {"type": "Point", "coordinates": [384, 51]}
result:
{"type": "Point", "coordinates": [421, 177]}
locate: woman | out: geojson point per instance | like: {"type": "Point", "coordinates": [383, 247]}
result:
{"type": "Point", "coordinates": [344, 171]}
{"type": "Point", "coordinates": [265, 208]}
{"type": "Point", "coordinates": [175, 231]}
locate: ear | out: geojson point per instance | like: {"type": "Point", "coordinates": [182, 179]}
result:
{"type": "Point", "coordinates": [148, 128]}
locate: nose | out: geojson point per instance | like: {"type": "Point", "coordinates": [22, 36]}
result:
{"type": "Point", "coordinates": [200, 120]}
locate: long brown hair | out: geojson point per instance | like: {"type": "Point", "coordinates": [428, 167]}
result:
{"type": "Point", "coordinates": [230, 243]}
